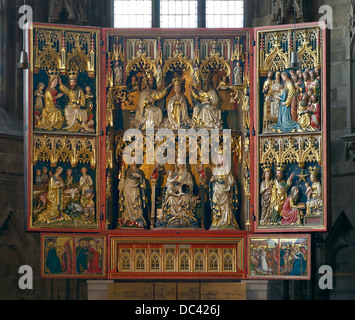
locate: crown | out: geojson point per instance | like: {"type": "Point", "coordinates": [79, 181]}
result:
{"type": "Point", "coordinates": [266, 167]}
{"type": "Point", "coordinates": [280, 167]}
{"type": "Point", "coordinates": [52, 73]}
{"type": "Point", "coordinates": [178, 81]}
{"type": "Point", "coordinates": [73, 74]}
{"type": "Point", "coordinates": [149, 74]}
{"type": "Point", "coordinates": [314, 171]}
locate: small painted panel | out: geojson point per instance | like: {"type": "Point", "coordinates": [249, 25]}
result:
{"type": "Point", "coordinates": [279, 257]}
{"type": "Point", "coordinates": [73, 256]}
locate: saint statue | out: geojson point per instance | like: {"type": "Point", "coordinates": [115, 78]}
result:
{"type": "Point", "coordinates": [279, 194]}
{"type": "Point", "coordinates": [207, 113]}
{"type": "Point", "coordinates": [179, 202]}
{"type": "Point", "coordinates": [304, 118]}
{"type": "Point", "coordinates": [55, 204]}
{"type": "Point", "coordinates": [223, 197]}
{"type": "Point", "coordinates": [238, 74]}
{"type": "Point", "coordinates": [177, 107]}
{"type": "Point", "coordinates": [266, 187]}
{"type": "Point", "coordinates": [118, 74]}
{"type": "Point", "coordinates": [285, 122]}
{"type": "Point", "coordinates": [148, 115]}
{"type": "Point", "coordinates": [75, 112]}
{"type": "Point", "coordinates": [291, 210]}
{"type": "Point", "coordinates": [314, 204]}
{"type": "Point", "coordinates": [52, 117]}
{"type": "Point", "coordinates": [315, 113]}
{"type": "Point", "coordinates": [132, 199]}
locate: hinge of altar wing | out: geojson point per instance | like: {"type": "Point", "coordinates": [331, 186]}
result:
{"type": "Point", "coordinates": [101, 216]}
{"type": "Point", "coordinates": [253, 132]}
{"type": "Point", "coordinates": [102, 43]}
{"type": "Point", "coordinates": [101, 133]}
{"type": "Point", "coordinates": [253, 43]}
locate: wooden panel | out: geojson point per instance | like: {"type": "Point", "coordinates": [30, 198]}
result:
{"type": "Point", "coordinates": [291, 125]}
{"type": "Point", "coordinates": [223, 291]}
{"type": "Point", "coordinates": [131, 291]}
{"type": "Point", "coordinates": [165, 291]}
{"type": "Point", "coordinates": [183, 257]}
{"type": "Point", "coordinates": [188, 291]}
{"type": "Point", "coordinates": [62, 111]}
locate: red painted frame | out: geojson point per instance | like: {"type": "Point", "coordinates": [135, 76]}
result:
{"type": "Point", "coordinates": [325, 129]}
{"type": "Point", "coordinates": [29, 133]}
{"type": "Point", "coordinates": [169, 33]}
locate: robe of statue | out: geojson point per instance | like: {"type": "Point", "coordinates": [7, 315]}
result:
{"type": "Point", "coordinates": [285, 122]}
{"type": "Point", "coordinates": [314, 205]}
{"type": "Point", "coordinates": [52, 117]}
{"type": "Point", "coordinates": [222, 201]}
{"type": "Point", "coordinates": [278, 198]}
{"type": "Point", "coordinates": [207, 113]}
{"type": "Point", "coordinates": [53, 211]}
{"type": "Point", "coordinates": [266, 207]}
{"type": "Point", "coordinates": [131, 197]}
{"type": "Point", "coordinates": [76, 115]}
{"type": "Point", "coordinates": [148, 115]}
{"type": "Point", "coordinates": [290, 213]}
{"type": "Point", "coordinates": [179, 201]}
{"type": "Point", "coordinates": [178, 111]}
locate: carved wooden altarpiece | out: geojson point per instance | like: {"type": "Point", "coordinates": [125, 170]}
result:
{"type": "Point", "coordinates": [99, 98]}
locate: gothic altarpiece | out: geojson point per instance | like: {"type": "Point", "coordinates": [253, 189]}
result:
{"type": "Point", "coordinates": [96, 96]}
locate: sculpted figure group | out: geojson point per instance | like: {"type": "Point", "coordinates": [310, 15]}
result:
{"type": "Point", "coordinates": [179, 199]}
{"type": "Point", "coordinates": [77, 115]}
{"type": "Point", "coordinates": [206, 111]}
{"type": "Point", "coordinates": [292, 101]}
{"type": "Point", "coordinates": [280, 199]}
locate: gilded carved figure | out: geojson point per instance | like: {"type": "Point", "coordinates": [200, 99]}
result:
{"type": "Point", "coordinates": [55, 200]}
{"type": "Point", "coordinates": [76, 115]}
{"type": "Point", "coordinates": [314, 203]}
{"type": "Point", "coordinates": [177, 107]}
{"type": "Point", "coordinates": [279, 194]}
{"type": "Point", "coordinates": [179, 202]}
{"type": "Point", "coordinates": [132, 197]}
{"type": "Point", "coordinates": [51, 118]}
{"type": "Point", "coordinates": [266, 188]}
{"type": "Point", "coordinates": [223, 197]}
{"type": "Point", "coordinates": [148, 115]}
{"type": "Point", "coordinates": [207, 112]}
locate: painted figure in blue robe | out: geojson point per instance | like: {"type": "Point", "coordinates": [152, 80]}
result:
{"type": "Point", "coordinates": [299, 264]}
{"type": "Point", "coordinates": [285, 122]}
{"type": "Point", "coordinates": [53, 262]}
{"type": "Point", "coordinates": [82, 258]}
